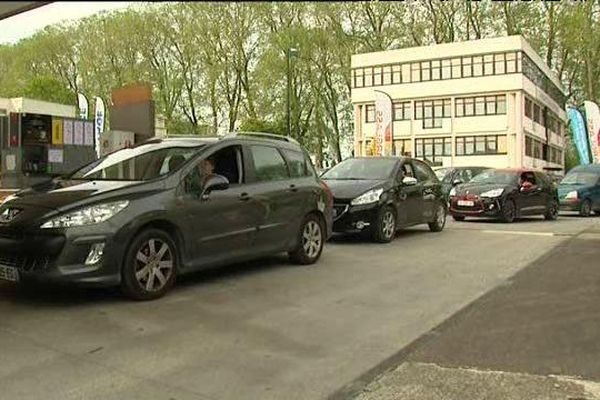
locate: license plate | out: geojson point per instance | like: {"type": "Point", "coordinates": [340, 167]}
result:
{"type": "Point", "coordinates": [9, 273]}
{"type": "Point", "coordinates": [466, 203]}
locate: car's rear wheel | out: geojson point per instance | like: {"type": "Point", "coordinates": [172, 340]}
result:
{"type": "Point", "coordinates": [509, 211]}
{"type": "Point", "coordinates": [439, 219]}
{"type": "Point", "coordinates": [310, 242]}
{"type": "Point", "coordinates": [458, 217]}
{"type": "Point", "coordinates": [384, 228]}
{"type": "Point", "coordinates": [150, 265]}
{"type": "Point", "coordinates": [585, 210]}
{"type": "Point", "coordinates": [552, 211]}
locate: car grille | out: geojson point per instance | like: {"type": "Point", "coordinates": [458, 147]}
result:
{"type": "Point", "coordinates": [26, 263]}
{"type": "Point", "coordinates": [339, 210]}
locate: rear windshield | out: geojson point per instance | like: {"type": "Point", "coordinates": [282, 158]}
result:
{"type": "Point", "coordinates": [362, 169]}
{"type": "Point", "coordinates": [140, 163]}
{"type": "Point", "coordinates": [496, 176]}
{"type": "Point", "coordinates": [580, 178]}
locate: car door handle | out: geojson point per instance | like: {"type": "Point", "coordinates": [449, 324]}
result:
{"type": "Point", "coordinates": [244, 197]}
{"type": "Point", "coordinates": [293, 188]}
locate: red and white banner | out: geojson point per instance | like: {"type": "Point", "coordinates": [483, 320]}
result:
{"type": "Point", "coordinates": [592, 117]}
{"type": "Point", "coordinates": [383, 124]}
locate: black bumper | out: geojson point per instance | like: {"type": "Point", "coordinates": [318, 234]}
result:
{"type": "Point", "coordinates": [484, 207]}
{"type": "Point", "coordinates": [352, 219]}
{"type": "Point", "coordinates": [59, 257]}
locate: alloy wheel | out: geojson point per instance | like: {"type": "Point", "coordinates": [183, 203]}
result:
{"type": "Point", "coordinates": [154, 265]}
{"type": "Point", "coordinates": [312, 239]}
{"type": "Point", "coordinates": [389, 225]}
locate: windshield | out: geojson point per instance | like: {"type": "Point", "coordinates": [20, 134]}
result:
{"type": "Point", "coordinates": [443, 174]}
{"type": "Point", "coordinates": [496, 176]}
{"type": "Point", "coordinates": [362, 169]}
{"type": "Point", "coordinates": [580, 178]}
{"type": "Point", "coordinates": [140, 163]}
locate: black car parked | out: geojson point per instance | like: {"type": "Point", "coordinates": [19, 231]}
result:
{"type": "Point", "coordinates": [452, 176]}
{"type": "Point", "coordinates": [141, 216]}
{"type": "Point", "coordinates": [379, 195]}
{"type": "Point", "coordinates": [505, 194]}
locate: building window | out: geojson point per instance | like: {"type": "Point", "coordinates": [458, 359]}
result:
{"type": "Point", "coordinates": [370, 113]}
{"type": "Point", "coordinates": [432, 112]}
{"type": "Point", "coordinates": [426, 71]}
{"type": "Point", "coordinates": [433, 149]}
{"type": "Point", "coordinates": [403, 147]}
{"type": "Point", "coordinates": [476, 106]}
{"type": "Point", "coordinates": [456, 68]}
{"type": "Point", "coordinates": [488, 64]}
{"type": "Point", "coordinates": [401, 111]}
{"type": "Point", "coordinates": [359, 78]}
{"type": "Point", "coordinates": [396, 73]}
{"type": "Point", "coordinates": [537, 113]}
{"type": "Point", "coordinates": [415, 75]}
{"type": "Point", "coordinates": [539, 78]}
{"type": "Point", "coordinates": [528, 108]}
{"type": "Point", "coordinates": [387, 75]}
{"type": "Point", "coordinates": [406, 73]}
{"type": "Point", "coordinates": [377, 76]}
{"type": "Point", "coordinates": [436, 70]}
{"type": "Point", "coordinates": [446, 69]}
{"type": "Point", "coordinates": [368, 77]}
{"type": "Point", "coordinates": [467, 70]}
{"type": "Point", "coordinates": [480, 145]}
{"type": "Point", "coordinates": [511, 63]}
{"type": "Point", "coordinates": [478, 66]}
{"type": "Point", "coordinates": [500, 63]}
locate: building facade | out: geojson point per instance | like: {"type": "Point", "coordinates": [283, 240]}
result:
{"type": "Point", "coordinates": [490, 102]}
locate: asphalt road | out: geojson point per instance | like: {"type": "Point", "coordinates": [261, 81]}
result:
{"type": "Point", "coordinates": [265, 330]}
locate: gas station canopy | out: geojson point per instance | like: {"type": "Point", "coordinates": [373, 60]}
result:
{"type": "Point", "coordinates": [11, 8]}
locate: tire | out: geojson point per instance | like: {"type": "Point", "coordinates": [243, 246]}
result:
{"type": "Point", "coordinates": [437, 225]}
{"type": "Point", "coordinates": [552, 212]}
{"type": "Point", "coordinates": [509, 211]}
{"type": "Point", "coordinates": [311, 239]}
{"type": "Point", "coordinates": [151, 255]}
{"type": "Point", "coordinates": [585, 210]}
{"type": "Point", "coordinates": [384, 228]}
{"type": "Point", "coordinates": [458, 217]}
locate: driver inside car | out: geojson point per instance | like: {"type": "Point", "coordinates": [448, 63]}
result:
{"type": "Point", "coordinates": [197, 180]}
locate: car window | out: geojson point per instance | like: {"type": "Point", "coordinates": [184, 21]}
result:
{"type": "Point", "coordinates": [226, 162]}
{"type": "Point", "coordinates": [406, 169]}
{"type": "Point", "coordinates": [465, 175]}
{"type": "Point", "coordinates": [422, 172]}
{"type": "Point", "coordinates": [269, 164]}
{"type": "Point", "coordinates": [297, 163]}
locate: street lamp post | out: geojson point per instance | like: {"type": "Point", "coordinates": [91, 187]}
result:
{"type": "Point", "coordinates": [290, 52]}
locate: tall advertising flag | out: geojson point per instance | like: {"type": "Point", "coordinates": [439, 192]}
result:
{"type": "Point", "coordinates": [579, 135]}
{"type": "Point", "coordinates": [83, 106]}
{"type": "Point", "coordinates": [592, 117]}
{"type": "Point", "coordinates": [383, 124]}
{"type": "Point", "coordinates": [99, 113]}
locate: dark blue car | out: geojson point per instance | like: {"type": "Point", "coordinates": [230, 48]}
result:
{"type": "Point", "coordinates": [580, 190]}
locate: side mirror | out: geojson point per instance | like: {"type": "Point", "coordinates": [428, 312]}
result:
{"type": "Point", "coordinates": [409, 181]}
{"type": "Point", "coordinates": [456, 182]}
{"type": "Point", "coordinates": [215, 182]}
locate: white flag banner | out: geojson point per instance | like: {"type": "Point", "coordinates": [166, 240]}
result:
{"type": "Point", "coordinates": [83, 106]}
{"type": "Point", "coordinates": [592, 116]}
{"type": "Point", "coordinates": [383, 124]}
{"type": "Point", "coordinates": [99, 113]}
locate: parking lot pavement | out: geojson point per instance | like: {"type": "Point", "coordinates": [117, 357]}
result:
{"type": "Point", "coordinates": [264, 330]}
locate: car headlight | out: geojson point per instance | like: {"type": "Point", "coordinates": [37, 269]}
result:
{"type": "Point", "coordinates": [371, 196]}
{"type": "Point", "coordinates": [453, 192]}
{"type": "Point", "coordinates": [571, 195]}
{"type": "Point", "coordinates": [492, 193]}
{"type": "Point", "coordinates": [7, 199]}
{"type": "Point", "coordinates": [87, 216]}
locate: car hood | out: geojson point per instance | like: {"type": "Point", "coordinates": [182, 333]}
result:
{"type": "Point", "coordinates": [59, 194]}
{"type": "Point", "coordinates": [477, 188]}
{"type": "Point", "coordinates": [349, 189]}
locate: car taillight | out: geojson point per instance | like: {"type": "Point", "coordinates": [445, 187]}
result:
{"type": "Point", "coordinates": [329, 194]}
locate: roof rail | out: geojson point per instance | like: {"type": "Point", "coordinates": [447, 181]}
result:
{"type": "Point", "coordinates": [263, 135]}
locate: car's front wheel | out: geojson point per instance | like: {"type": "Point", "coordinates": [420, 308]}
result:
{"type": "Point", "coordinates": [439, 219]}
{"type": "Point", "coordinates": [552, 211]}
{"type": "Point", "coordinates": [310, 242]}
{"type": "Point", "coordinates": [150, 265]}
{"type": "Point", "coordinates": [585, 209]}
{"type": "Point", "coordinates": [509, 211]}
{"type": "Point", "coordinates": [384, 228]}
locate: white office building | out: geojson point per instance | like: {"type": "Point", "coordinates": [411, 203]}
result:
{"type": "Point", "coordinates": [490, 102]}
